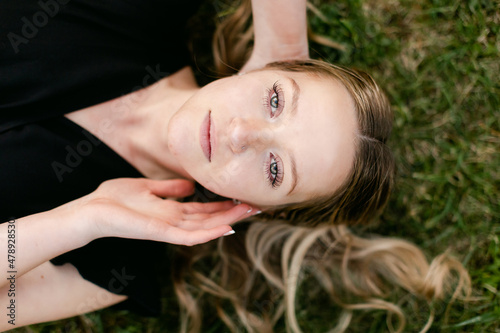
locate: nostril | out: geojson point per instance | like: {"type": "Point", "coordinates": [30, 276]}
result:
{"type": "Point", "coordinates": [245, 134]}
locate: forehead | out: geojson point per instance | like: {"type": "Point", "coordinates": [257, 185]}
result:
{"type": "Point", "coordinates": [323, 134]}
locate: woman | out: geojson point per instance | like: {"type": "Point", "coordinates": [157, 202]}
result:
{"type": "Point", "coordinates": [246, 137]}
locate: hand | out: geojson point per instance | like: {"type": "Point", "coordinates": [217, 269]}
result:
{"type": "Point", "coordinates": [135, 208]}
{"type": "Point", "coordinates": [280, 30]}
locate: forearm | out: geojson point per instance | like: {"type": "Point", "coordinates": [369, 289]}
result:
{"type": "Point", "coordinates": [35, 239]}
{"type": "Point", "coordinates": [126, 208]}
{"type": "Point", "coordinates": [280, 28]}
{"type": "Point", "coordinates": [50, 292]}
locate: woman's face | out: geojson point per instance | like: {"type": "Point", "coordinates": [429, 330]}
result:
{"type": "Point", "coordinates": [267, 138]}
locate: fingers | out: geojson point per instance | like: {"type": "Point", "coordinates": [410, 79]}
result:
{"type": "Point", "coordinates": [184, 237]}
{"type": "Point", "coordinates": [139, 215]}
{"type": "Point", "coordinates": [206, 208]}
{"type": "Point", "coordinates": [206, 221]}
{"type": "Point", "coordinates": [171, 188]}
{"type": "Point", "coordinates": [234, 214]}
{"type": "Point", "coordinates": [202, 209]}
{"type": "Point", "coordinates": [163, 231]}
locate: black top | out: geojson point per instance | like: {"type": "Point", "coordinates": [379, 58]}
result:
{"type": "Point", "coordinates": [58, 56]}
{"type": "Point", "coordinates": [48, 163]}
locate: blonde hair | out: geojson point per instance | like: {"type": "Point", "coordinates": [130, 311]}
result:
{"type": "Point", "coordinates": [366, 189]}
{"type": "Point", "coordinates": [268, 261]}
{"type": "Point", "coordinates": [356, 273]}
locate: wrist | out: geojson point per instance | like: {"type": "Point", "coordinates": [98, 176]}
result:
{"type": "Point", "coordinates": [78, 220]}
{"type": "Point", "coordinates": [282, 48]}
{"type": "Point", "coordinates": [285, 52]}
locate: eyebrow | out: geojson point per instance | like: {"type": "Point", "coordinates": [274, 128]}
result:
{"type": "Point", "coordinates": [295, 96]}
{"type": "Point", "coordinates": [293, 112]}
{"type": "Point", "coordinates": [295, 177]}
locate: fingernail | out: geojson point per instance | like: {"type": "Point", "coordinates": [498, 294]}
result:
{"type": "Point", "coordinates": [231, 232]}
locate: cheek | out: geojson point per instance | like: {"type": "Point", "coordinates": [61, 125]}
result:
{"type": "Point", "coordinates": [237, 179]}
{"type": "Point", "coordinates": [226, 181]}
{"type": "Point", "coordinates": [175, 136]}
{"type": "Point", "coordinates": [221, 94]}
{"type": "Point", "coordinates": [238, 100]}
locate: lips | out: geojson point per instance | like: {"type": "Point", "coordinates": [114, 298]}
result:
{"type": "Point", "coordinates": [205, 137]}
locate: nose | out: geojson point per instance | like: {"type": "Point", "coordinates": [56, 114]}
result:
{"type": "Point", "coordinates": [248, 134]}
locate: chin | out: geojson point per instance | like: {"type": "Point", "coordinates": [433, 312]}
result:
{"type": "Point", "coordinates": [175, 137]}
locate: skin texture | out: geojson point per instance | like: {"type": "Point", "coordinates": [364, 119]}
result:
{"type": "Point", "coordinates": [246, 129]}
{"type": "Point", "coordinates": [128, 208]}
{"type": "Point", "coordinates": [160, 135]}
{"type": "Point", "coordinates": [133, 208]}
{"type": "Point", "coordinates": [288, 30]}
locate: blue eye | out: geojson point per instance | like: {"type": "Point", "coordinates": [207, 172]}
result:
{"type": "Point", "coordinates": [274, 170]}
{"type": "Point", "coordinates": [275, 101]}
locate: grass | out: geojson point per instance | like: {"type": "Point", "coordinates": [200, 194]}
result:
{"type": "Point", "coordinates": [439, 62]}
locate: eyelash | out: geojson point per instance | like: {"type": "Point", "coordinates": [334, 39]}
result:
{"type": "Point", "coordinates": [275, 180]}
{"type": "Point", "coordinates": [277, 92]}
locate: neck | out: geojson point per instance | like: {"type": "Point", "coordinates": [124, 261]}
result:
{"type": "Point", "coordinates": [147, 143]}
{"type": "Point", "coordinates": [135, 124]}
